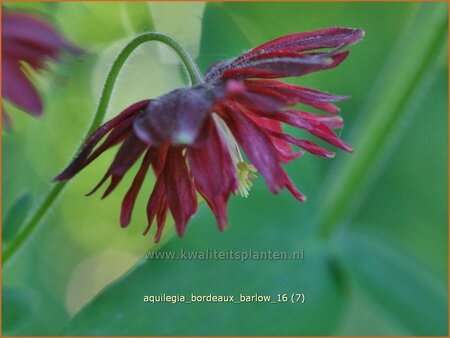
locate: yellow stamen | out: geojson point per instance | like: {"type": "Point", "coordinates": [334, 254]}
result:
{"type": "Point", "coordinates": [246, 172]}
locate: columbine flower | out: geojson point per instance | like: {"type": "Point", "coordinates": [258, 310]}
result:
{"type": "Point", "coordinates": [192, 138]}
{"type": "Point", "coordinates": [29, 39]}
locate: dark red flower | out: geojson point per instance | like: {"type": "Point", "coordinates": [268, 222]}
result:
{"type": "Point", "coordinates": [27, 38]}
{"type": "Point", "coordinates": [192, 137]}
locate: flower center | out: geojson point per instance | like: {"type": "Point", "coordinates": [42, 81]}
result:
{"type": "Point", "coordinates": [245, 172]}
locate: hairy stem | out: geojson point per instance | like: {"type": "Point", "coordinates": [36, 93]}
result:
{"type": "Point", "coordinates": [195, 78]}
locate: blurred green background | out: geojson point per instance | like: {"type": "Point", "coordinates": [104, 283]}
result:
{"type": "Point", "coordinates": [374, 229]}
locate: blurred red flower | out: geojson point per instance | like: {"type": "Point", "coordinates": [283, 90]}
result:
{"type": "Point", "coordinates": [30, 39]}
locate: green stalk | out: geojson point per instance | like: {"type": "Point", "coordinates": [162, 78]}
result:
{"type": "Point", "coordinates": [395, 93]}
{"type": "Point", "coordinates": [55, 191]}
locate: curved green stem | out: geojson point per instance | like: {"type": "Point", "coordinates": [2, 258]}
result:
{"type": "Point", "coordinates": [191, 68]}
{"type": "Point", "coordinates": [105, 98]}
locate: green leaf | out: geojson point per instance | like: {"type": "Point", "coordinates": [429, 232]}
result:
{"type": "Point", "coordinates": [399, 90]}
{"type": "Point", "coordinates": [16, 216]}
{"type": "Point", "coordinates": [120, 310]}
{"type": "Point", "coordinates": [398, 283]}
{"type": "Point", "coordinates": [16, 308]}
{"type": "Point", "coordinates": [364, 316]}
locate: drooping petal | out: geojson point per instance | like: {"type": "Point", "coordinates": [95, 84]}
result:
{"type": "Point", "coordinates": [129, 152]}
{"type": "Point", "coordinates": [179, 189]}
{"type": "Point", "coordinates": [282, 146]}
{"type": "Point", "coordinates": [263, 99]}
{"type": "Point", "coordinates": [332, 37]}
{"type": "Point", "coordinates": [161, 220]}
{"type": "Point", "coordinates": [288, 157]}
{"type": "Point", "coordinates": [115, 180]}
{"type": "Point", "coordinates": [286, 66]}
{"type": "Point", "coordinates": [177, 118]}
{"type": "Point", "coordinates": [159, 160]}
{"type": "Point", "coordinates": [309, 146]}
{"type": "Point", "coordinates": [79, 162]}
{"type": "Point", "coordinates": [315, 128]}
{"type": "Point", "coordinates": [157, 205]}
{"type": "Point", "coordinates": [289, 45]}
{"type": "Point", "coordinates": [155, 202]}
{"type": "Point", "coordinates": [99, 184]}
{"type": "Point", "coordinates": [116, 136]}
{"type": "Point", "coordinates": [295, 94]}
{"type": "Point", "coordinates": [130, 198]}
{"type": "Point", "coordinates": [291, 187]}
{"type": "Point", "coordinates": [256, 144]}
{"type": "Point", "coordinates": [331, 121]}
{"type": "Point", "coordinates": [214, 172]}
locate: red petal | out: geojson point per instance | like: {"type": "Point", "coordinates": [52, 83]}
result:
{"type": "Point", "coordinates": [79, 162]}
{"type": "Point", "coordinates": [180, 192]}
{"type": "Point", "coordinates": [304, 144]}
{"type": "Point", "coordinates": [287, 157]}
{"type": "Point", "coordinates": [159, 159]}
{"type": "Point", "coordinates": [214, 172]}
{"type": "Point", "coordinates": [130, 198]}
{"type": "Point", "coordinates": [331, 121]}
{"type": "Point", "coordinates": [289, 45]}
{"type": "Point", "coordinates": [115, 180]}
{"type": "Point", "coordinates": [314, 127]}
{"type": "Point", "coordinates": [99, 184]}
{"type": "Point", "coordinates": [160, 221]}
{"type": "Point", "coordinates": [331, 37]}
{"type": "Point", "coordinates": [286, 67]}
{"type": "Point", "coordinates": [128, 154]}
{"type": "Point", "coordinates": [256, 144]}
{"type": "Point", "coordinates": [291, 187]}
{"type": "Point", "coordinates": [296, 94]}
{"type": "Point", "coordinates": [116, 136]}
{"type": "Point", "coordinates": [281, 145]}
{"type": "Point", "coordinates": [262, 99]}
{"type": "Point", "coordinates": [155, 201]}
{"type": "Point", "coordinates": [130, 151]}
